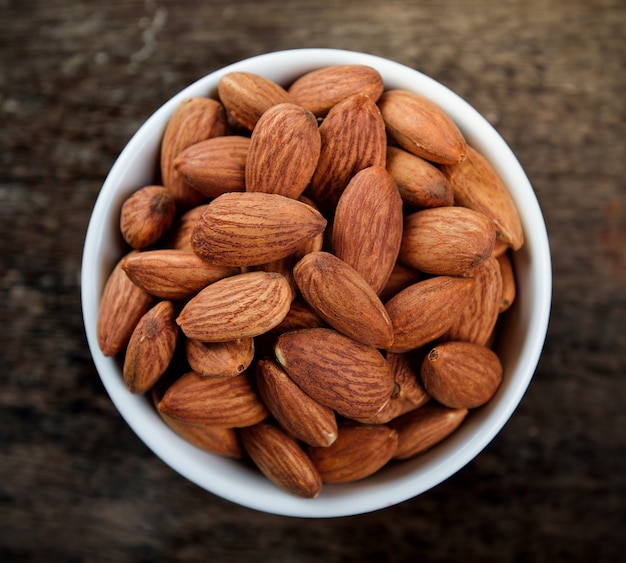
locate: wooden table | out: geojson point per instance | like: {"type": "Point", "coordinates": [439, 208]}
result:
{"type": "Point", "coordinates": [78, 78]}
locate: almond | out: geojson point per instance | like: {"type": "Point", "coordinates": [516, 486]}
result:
{"type": "Point", "coordinates": [239, 306]}
{"type": "Point", "coordinates": [425, 311]}
{"type": "Point", "coordinates": [151, 348]}
{"type": "Point", "coordinates": [349, 377]}
{"type": "Point", "coordinates": [298, 413]}
{"type": "Point", "coordinates": [446, 240]}
{"type": "Point", "coordinates": [347, 149]}
{"type": "Point", "coordinates": [400, 278]}
{"type": "Point", "coordinates": [478, 186]}
{"type": "Point", "coordinates": [359, 451]}
{"type": "Point", "coordinates": [509, 288]}
{"type": "Point", "coordinates": [195, 120]}
{"type": "Point", "coordinates": [215, 166]}
{"type": "Point", "coordinates": [321, 89]}
{"type": "Point", "coordinates": [173, 274]}
{"type": "Point", "coordinates": [179, 236]}
{"type": "Point", "coordinates": [213, 401]}
{"type": "Point", "coordinates": [121, 306]}
{"type": "Point", "coordinates": [406, 378]}
{"type": "Point", "coordinates": [367, 230]}
{"type": "Point", "coordinates": [281, 460]}
{"type": "Point", "coordinates": [284, 150]}
{"type": "Point", "coordinates": [420, 183]}
{"type": "Point", "coordinates": [461, 375]}
{"type": "Point", "coordinates": [340, 296]}
{"type": "Point", "coordinates": [423, 428]}
{"type": "Point", "coordinates": [252, 228]}
{"type": "Point", "coordinates": [246, 96]}
{"type": "Point", "coordinates": [300, 315]}
{"type": "Point", "coordinates": [220, 359]}
{"type": "Point", "coordinates": [421, 127]}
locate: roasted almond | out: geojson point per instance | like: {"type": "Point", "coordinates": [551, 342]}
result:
{"type": "Point", "coordinates": [349, 377]}
{"type": "Point", "coordinates": [340, 296]}
{"type": "Point", "coordinates": [425, 311]}
{"type": "Point", "coordinates": [253, 228]}
{"type": "Point", "coordinates": [220, 359]}
{"type": "Point", "coordinates": [421, 127]}
{"type": "Point", "coordinates": [367, 228]}
{"type": "Point", "coordinates": [298, 413]}
{"type": "Point", "coordinates": [446, 240]}
{"type": "Point", "coordinates": [461, 375]}
{"type": "Point", "coordinates": [281, 459]}
{"type": "Point", "coordinates": [239, 306]}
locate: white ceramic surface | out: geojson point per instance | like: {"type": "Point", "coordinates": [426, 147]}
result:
{"type": "Point", "coordinates": [526, 327]}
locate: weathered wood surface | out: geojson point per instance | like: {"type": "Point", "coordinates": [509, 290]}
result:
{"type": "Point", "coordinates": [77, 79]}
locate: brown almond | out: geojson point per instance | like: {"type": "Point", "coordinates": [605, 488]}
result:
{"type": "Point", "coordinates": [420, 183]}
{"type": "Point", "coordinates": [340, 296]}
{"type": "Point", "coordinates": [195, 120]}
{"type": "Point", "coordinates": [220, 359]}
{"type": "Point", "coordinates": [300, 315]}
{"type": "Point", "coordinates": [147, 215]}
{"type": "Point", "coordinates": [284, 150]}
{"type": "Point", "coordinates": [425, 311]}
{"type": "Point", "coordinates": [179, 236]}
{"type": "Point", "coordinates": [367, 229]}
{"type": "Point", "coordinates": [346, 149]}
{"type": "Point", "coordinates": [298, 413]}
{"type": "Point", "coordinates": [400, 278]}
{"type": "Point", "coordinates": [407, 380]}
{"type": "Point", "coordinates": [477, 185]}
{"type": "Point", "coordinates": [423, 428]}
{"type": "Point", "coordinates": [215, 166]}
{"type": "Point", "coordinates": [281, 459]}
{"type": "Point", "coordinates": [213, 401]}
{"type": "Point", "coordinates": [240, 306]}
{"type": "Point", "coordinates": [151, 348]}
{"type": "Point", "coordinates": [349, 377]}
{"type": "Point", "coordinates": [321, 89]}
{"type": "Point", "coordinates": [122, 304]}
{"type": "Point", "coordinates": [461, 375]}
{"type": "Point", "coordinates": [422, 127]}
{"type": "Point", "coordinates": [478, 318]}
{"type": "Point", "coordinates": [173, 274]}
{"type": "Point", "coordinates": [253, 228]}
{"type": "Point", "coordinates": [247, 96]}
{"type": "Point", "coordinates": [359, 451]}
{"type": "Point", "coordinates": [446, 240]}
{"type": "Point", "coordinates": [509, 286]}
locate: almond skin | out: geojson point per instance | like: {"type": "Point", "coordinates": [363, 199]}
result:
{"type": "Point", "coordinates": [284, 150]}
{"type": "Point", "coordinates": [406, 378]}
{"type": "Point", "coordinates": [400, 278]}
{"type": "Point", "coordinates": [151, 348]}
{"type": "Point", "coordinates": [121, 306]}
{"type": "Point", "coordinates": [321, 89]}
{"type": "Point", "coordinates": [299, 414]}
{"type": "Point", "coordinates": [346, 150]}
{"type": "Point", "coordinates": [461, 375]}
{"type": "Point", "coordinates": [240, 306]}
{"type": "Point", "coordinates": [421, 127]}
{"type": "Point", "coordinates": [220, 359]}
{"type": "Point", "coordinates": [173, 274]}
{"type": "Point", "coordinates": [446, 240]}
{"type": "Point", "coordinates": [215, 166]}
{"type": "Point", "coordinates": [247, 96]}
{"type": "Point", "coordinates": [300, 315]}
{"type": "Point", "coordinates": [425, 311]}
{"type": "Point", "coordinates": [359, 451]}
{"type": "Point", "coordinates": [477, 185]}
{"type": "Point", "coordinates": [423, 428]}
{"type": "Point", "coordinates": [195, 120]}
{"type": "Point", "coordinates": [509, 288]}
{"type": "Point", "coordinates": [340, 296]}
{"type": "Point", "coordinates": [281, 460]}
{"type": "Point", "coordinates": [367, 229]}
{"type": "Point", "coordinates": [179, 237]}
{"type": "Point", "coordinates": [147, 215]}
{"type": "Point", "coordinates": [420, 183]}
{"type": "Point", "coordinates": [213, 401]}
{"type": "Point", "coordinates": [253, 228]}
{"type": "Point", "coordinates": [349, 377]}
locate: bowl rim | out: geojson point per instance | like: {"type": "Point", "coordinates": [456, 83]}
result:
{"type": "Point", "coordinates": [403, 481]}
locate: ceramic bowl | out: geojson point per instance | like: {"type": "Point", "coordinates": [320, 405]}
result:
{"type": "Point", "coordinates": [522, 342]}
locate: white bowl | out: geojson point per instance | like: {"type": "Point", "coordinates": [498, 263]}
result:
{"type": "Point", "coordinates": [525, 330]}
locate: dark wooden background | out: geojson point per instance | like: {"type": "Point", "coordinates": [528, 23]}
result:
{"type": "Point", "coordinates": [77, 78]}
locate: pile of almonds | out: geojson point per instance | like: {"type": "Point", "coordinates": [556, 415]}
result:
{"type": "Point", "coordinates": [314, 283]}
